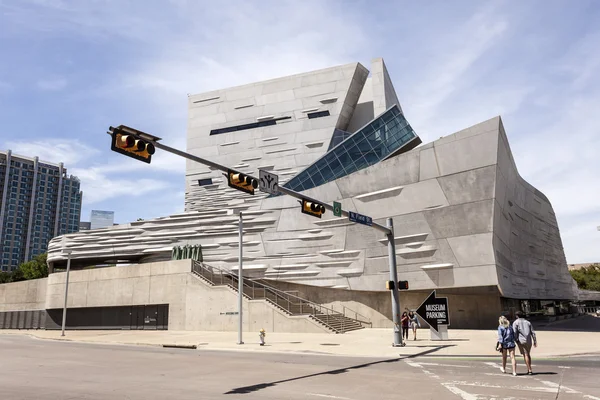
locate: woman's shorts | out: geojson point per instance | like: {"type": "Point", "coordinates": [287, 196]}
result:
{"type": "Point", "coordinates": [414, 325]}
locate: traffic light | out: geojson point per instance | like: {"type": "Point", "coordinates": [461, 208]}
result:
{"type": "Point", "coordinates": [402, 285]}
{"type": "Point", "coordinates": [242, 182]}
{"type": "Point", "coordinates": [127, 144]}
{"type": "Point", "coordinates": [312, 208]}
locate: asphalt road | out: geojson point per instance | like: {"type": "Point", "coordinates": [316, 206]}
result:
{"type": "Point", "coordinates": [39, 369]}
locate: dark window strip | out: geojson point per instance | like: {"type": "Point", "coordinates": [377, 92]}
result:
{"type": "Point", "coordinates": [247, 126]}
{"type": "Point", "coordinates": [318, 114]}
{"type": "Point", "coordinates": [204, 182]}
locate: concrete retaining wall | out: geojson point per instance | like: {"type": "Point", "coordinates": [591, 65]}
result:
{"type": "Point", "coordinates": [467, 311]}
{"type": "Point", "coordinates": [26, 295]}
{"type": "Point", "coordinates": [193, 304]}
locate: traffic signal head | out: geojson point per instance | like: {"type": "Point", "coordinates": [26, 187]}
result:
{"type": "Point", "coordinates": [402, 285]}
{"type": "Point", "coordinates": [127, 144]}
{"type": "Point", "coordinates": [241, 181]}
{"type": "Point", "coordinates": [313, 208]}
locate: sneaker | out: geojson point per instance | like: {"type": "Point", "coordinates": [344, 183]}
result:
{"type": "Point", "coordinates": [514, 374]}
{"type": "Point", "coordinates": [503, 370]}
{"type": "Point", "coordinates": [530, 373]}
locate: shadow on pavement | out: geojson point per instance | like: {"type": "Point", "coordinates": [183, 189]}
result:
{"type": "Point", "coordinates": [584, 323]}
{"type": "Point", "coordinates": [259, 386]}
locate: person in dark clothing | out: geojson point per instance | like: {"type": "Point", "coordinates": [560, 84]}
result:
{"type": "Point", "coordinates": [404, 323]}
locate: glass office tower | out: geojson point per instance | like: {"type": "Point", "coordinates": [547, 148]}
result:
{"type": "Point", "coordinates": [38, 202]}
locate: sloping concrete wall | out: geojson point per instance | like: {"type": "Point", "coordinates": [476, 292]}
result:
{"type": "Point", "coordinates": [26, 295]}
{"type": "Point", "coordinates": [527, 245]}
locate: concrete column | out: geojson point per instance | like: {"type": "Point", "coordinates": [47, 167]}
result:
{"type": "Point", "coordinates": [31, 208]}
{"type": "Point", "coordinates": [4, 194]}
{"type": "Point", "coordinates": [58, 199]}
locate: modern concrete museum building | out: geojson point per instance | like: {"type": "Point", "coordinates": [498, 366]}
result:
{"type": "Point", "coordinates": [466, 223]}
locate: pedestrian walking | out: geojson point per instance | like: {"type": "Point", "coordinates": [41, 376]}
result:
{"type": "Point", "coordinates": [506, 341]}
{"type": "Point", "coordinates": [525, 337]}
{"type": "Point", "coordinates": [414, 323]}
{"type": "Point", "coordinates": [404, 322]}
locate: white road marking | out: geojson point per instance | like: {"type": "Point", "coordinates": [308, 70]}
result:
{"type": "Point", "coordinates": [492, 364]}
{"type": "Point", "coordinates": [587, 396]}
{"type": "Point", "coordinates": [459, 392]}
{"type": "Point", "coordinates": [412, 364]}
{"type": "Point", "coordinates": [525, 388]}
{"type": "Point", "coordinates": [446, 365]}
{"type": "Point", "coordinates": [329, 396]}
{"type": "Point", "coordinates": [559, 387]}
{"type": "Point", "coordinates": [560, 366]}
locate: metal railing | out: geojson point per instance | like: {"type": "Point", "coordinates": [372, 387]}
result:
{"type": "Point", "coordinates": [337, 321]}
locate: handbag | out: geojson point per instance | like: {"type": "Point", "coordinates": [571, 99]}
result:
{"type": "Point", "coordinates": [498, 347]}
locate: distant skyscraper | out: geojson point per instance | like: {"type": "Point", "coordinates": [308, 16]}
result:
{"type": "Point", "coordinates": [39, 201]}
{"type": "Point", "coordinates": [102, 219]}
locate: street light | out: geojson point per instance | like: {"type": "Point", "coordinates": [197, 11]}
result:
{"type": "Point", "coordinates": [64, 316]}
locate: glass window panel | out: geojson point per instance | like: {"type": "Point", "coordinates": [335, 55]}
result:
{"type": "Point", "coordinates": [336, 166]}
{"type": "Point", "coordinates": [327, 173]}
{"type": "Point", "coordinates": [360, 163]}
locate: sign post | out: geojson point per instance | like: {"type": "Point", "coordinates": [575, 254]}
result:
{"type": "Point", "coordinates": [434, 310]}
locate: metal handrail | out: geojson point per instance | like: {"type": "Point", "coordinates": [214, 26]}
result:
{"type": "Point", "coordinates": [292, 300]}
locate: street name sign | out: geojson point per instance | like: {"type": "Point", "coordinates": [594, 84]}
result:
{"type": "Point", "coordinates": [359, 218]}
{"type": "Point", "coordinates": [337, 209]}
{"type": "Point", "coordinates": [268, 182]}
{"type": "Point", "coordinates": [434, 310]}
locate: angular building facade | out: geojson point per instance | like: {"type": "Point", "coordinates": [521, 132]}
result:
{"type": "Point", "coordinates": [39, 201]}
{"type": "Point", "coordinates": [465, 220]}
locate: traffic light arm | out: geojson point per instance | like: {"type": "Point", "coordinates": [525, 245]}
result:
{"type": "Point", "coordinates": [284, 190]}
{"type": "Point", "coordinates": [297, 195]}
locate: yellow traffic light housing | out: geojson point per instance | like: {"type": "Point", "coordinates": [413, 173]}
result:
{"type": "Point", "coordinates": [312, 208]}
{"type": "Point", "coordinates": [242, 182]}
{"type": "Point", "coordinates": [125, 143]}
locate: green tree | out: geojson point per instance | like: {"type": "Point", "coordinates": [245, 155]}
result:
{"type": "Point", "coordinates": [36, 268]}
{"type": "Point", "coordinates": [587, 278]}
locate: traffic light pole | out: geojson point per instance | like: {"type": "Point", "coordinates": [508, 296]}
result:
{"type": "Point", "coordinates": [394, 278]}
{"type": "Point", "coordinates": [387, 230]}
{"type": "Point", "coordinates": [240, 282]}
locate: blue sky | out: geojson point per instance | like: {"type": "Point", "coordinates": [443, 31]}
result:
{"type": "Point", "coordinates": [70, 69]}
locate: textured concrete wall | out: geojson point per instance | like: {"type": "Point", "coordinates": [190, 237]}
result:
{"type": "Point", "coordinates": [26, 295]}
{"type": "Point", "coordinates": [528, 248]}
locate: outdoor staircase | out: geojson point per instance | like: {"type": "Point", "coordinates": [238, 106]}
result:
{"type": "Point", "coordinates": [289, 304]}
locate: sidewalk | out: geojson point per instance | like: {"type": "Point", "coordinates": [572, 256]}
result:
{"type": "Point", "coordinates": [365, 342]}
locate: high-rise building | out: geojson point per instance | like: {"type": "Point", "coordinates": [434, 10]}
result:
{"type": "Point", "coordinates": [101, 219]}
{"type": "Point", "coordinates": [39, 201]}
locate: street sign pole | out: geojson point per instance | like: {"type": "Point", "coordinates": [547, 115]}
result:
{"type": "Point", "coordinates": [394, 278]}
{"type": "Point", "coordinates": [240, 282]}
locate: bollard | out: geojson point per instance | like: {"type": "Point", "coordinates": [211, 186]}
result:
{"type": "Point", "coordinates": [261, 336]}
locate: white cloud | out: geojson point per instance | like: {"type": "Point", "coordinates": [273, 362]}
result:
{"type": "Point", "coordinates": [97, 186]}
{"type": "Point", "coordinates": [54, 84]}
{"type": "Point", "coordinates": [69, 152]}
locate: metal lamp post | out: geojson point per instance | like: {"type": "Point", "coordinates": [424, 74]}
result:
{"type": "Point", "coordinates": [64, 316]}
